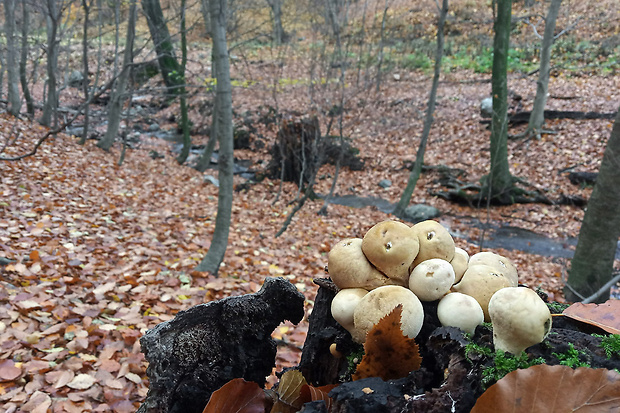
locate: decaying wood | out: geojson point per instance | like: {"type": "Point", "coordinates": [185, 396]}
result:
{"type": "Point", "coordinates": [208, 345]}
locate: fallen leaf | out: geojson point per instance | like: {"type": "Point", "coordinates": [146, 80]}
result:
{"type": "Point", "coordinates": [605, 316]}
{"type": "Point", "coordinates": [553, 389]}
{"type": "Point", "coordinates": [9, 371]}
{"type": "Point", "coordinates": [82, 382]}
{"type": "Point", "coordinates": [389, 354]}
{"type": "Point", "coordinates": [237, 396]}
{"type": "Point", "coordinates": [289, 392]}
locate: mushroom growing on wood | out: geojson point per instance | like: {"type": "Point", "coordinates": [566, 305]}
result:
{"type": "Point", "coordinates": [460, 310]}
{"type": "Point", "coordinates": [391, 247]}
{"type": "Point", "coordinates": [380, 302]}
{"type": "Point", "coordinates": [435, 242]}
{"type": "Point", "coordinates": [343, 306]}
{"type": "Point", "coordinates": [520, 319]}
{"type": "Point", "coordinates": [481, 282]}
{"type": "Point", "coordinates": [499, 262]}
{"type": "Point", "coordinates": [349, 268]}
{"type": "Point", "coordinates": [431, 279]}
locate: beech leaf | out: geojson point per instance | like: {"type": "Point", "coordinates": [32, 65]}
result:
{"type": "Point", "coordinates": [289, 392]}
{"type": "Point", "coordinates": [553, 389]}
{"type": "Point", "coordinates": [237, 396]}
{"type": "Point", "coordinates": [605, 316]}
{"type": "Point", "coordinates": [8, 370]}
{"type": "Point", "coordinates": [310, 394]}
{"type": "Point", "coordinates": [389, 353]}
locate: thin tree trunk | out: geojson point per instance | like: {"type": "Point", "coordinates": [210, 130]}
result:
{"type": "Point", "coordinates": [499, 182]}
{"type": "Point", "coordinates": [11, 58]}
{"type": "Point", "coordinates": [381, 45]}
{"type": "Point", "coordinates": [86, 4]}
{"type": "Point", "coordinates": [187, 141]}
{"type": "Point", "coordinates": [428, 121]}
{"type": "Point", "coordinates": [51, 103]}
{"type": "Point", "coordinates": [278, 30]}
{"type": "Point", "coordinates": [168, 65]}
{"type": "Point", "coordinates": [537, 117]}
{"type": "Point", "coordinates": [593, 262]}
{"type": "Point", "coordinates": [118, 97]}
{"type": "Point", "coordinates": [23, 75]}
{"type": "Point", "coordinates": [204, 9]}
{"type": "Point", "coordinates": [223, 112]}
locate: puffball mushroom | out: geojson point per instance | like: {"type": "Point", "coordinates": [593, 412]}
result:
{"type": "Point", "coordinates": [501, 263]}
{"type": "Point", "coordinates": [435, 242]}
{"type": "Point", "coordinates": [459, 263]}
{"type": "Point", "coordinates": [380, 302]}
{"type": "Point", "coordinates": [343, 306]}
{"type": "Point", "coordinates": [481, 282]}
{"type": "Point", "coordinates": [431, 279]}
{"type": "Point", "coordinates": [391, 247]}
{"type": "Point", "coordinates": [520, 319]}
{"type": "Point", "coordinates": [461, 311]}
{"type": "Point", "coordinates": [349, 268]}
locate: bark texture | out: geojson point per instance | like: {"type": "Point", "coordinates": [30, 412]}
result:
{"type": "Point", "coordinates": [203, 348]}
{"type": "Point", "coordinates": [11, 58]}
{"type": "Point", "coordinates": [592, 264]}
{"type": "Point", "coordinates": [51, 103]}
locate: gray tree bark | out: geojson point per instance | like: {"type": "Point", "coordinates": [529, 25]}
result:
{"type": "Point", "coordinates": [187, 141]}
{"type": "Point", "coordinates": [118, 97]}
{"type": "Point", "coordinates": [50, 107]}
{"type": "Point", "coordinates": [204, 9]}
{"type": "Point", "coordinates": [428, 122]}
{"type": "Point", "coordinates": [86, 5]}
{"type": "Point", "coordinates": [222, 120]}
{"type": "Point", "coordinates": [278, 29]}
{"type": "Point", "coordinates": [592, 265]}
{"type": "Point", "coordinates": [11, 58]}
{"type": "Point", "coordinates": [499, 182]}
{"type": "Point", "coordinates": [23, 60]}
{"type": "Point", "coordinates": [537, 117]}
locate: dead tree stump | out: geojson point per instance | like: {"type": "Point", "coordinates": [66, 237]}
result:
{"type": "Point", "coordinates": [208, 345]}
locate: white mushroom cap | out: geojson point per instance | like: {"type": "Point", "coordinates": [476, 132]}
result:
{"type": "Point", "coordinates": [460, 310]}
{"type": "Point", "coordinates": [349, 268]}
{"type": "Point", "coordinates": [343, 306]}
{"type": "Point", "coordinates": [499, 262]}
{"type": "Point", "coordinates": [459, 263]}
{"type": "Point", "coordinates": [481, 282]}
{"type": "Point", "coordinates": [435, 242]}
{"type": "Point", "coordinates": [380, 302]}
{"type": "Point", "coordinates": [431, 279]}
{"type": "Point", "coordinates": [520, 319]}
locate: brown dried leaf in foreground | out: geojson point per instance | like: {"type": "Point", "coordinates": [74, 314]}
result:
{"type": "Point", "coordinates": [605, 316]}
{"type": "Point", "coordinates": [237, 396]}
{"type": "Point", "coordinates": [289, 392]}
{"type": "Point", "coordinates": [553, 389]}
{"type": "Point", "coordinates": [389, 353]}
{"type": "Point", "coordinates": [310, 394]}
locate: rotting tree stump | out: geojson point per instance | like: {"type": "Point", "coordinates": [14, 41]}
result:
{"type": "Point", "coordinates": [206, 346]}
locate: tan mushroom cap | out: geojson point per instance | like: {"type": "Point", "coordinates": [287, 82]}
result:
{"type": "Point", "coordinates": [391, 246]}
{"type": "Point", "coordinates": [461, 311]}
{"type": "Point", "coordinates": [343, 306]}
{"type": "Point", "coordinates": [348, 267]}
{"type": "Point", "coordinates": [481, 282]}
{"type": "Point", "coordinates": [499, 262]}
{"type": "Point", "coordinates": [520, 319]}
{"type": "Point", "coordinates": [431, 279]}
{"type": "Point", "coordinates": [435, 242]}
{"type": "Point", "coordinates": [459, 263]}
{"type": "Point", "coordinates": [380, 302]}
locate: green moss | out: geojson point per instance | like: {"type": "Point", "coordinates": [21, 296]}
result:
{"type": "Point", "coordinates": [572, 358]}
{"type": "Point", "coordinates": [611, 344]}
{"type": "Point", "coordinates": [557, 308]}
{"type": "Point", "coordinates": [504, 363]}
{"type": "Point", "coordinates": [473, 348]}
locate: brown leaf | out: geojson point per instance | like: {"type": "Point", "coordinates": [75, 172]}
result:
{"type": "Point", "coordinates": [311, 394]}
{"type": "Point", "coordinates": [389, 353]}
{"type": "Point", "coordinates": [8, 370]}
{"type": "Point", "coordinates": [605, 316]}
{"type": "Point", "coordinates": [553, 389]}
{"type": "Point", "coordinates": [237, 396]}
{"type": "Point", "coordinates": [289, 392]}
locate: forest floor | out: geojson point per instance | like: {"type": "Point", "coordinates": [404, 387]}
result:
{"type": "Point", "coordinates": [100, 253]}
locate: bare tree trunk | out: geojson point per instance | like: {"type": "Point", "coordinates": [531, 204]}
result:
{"type": "Point", "coordinates": [428, 122]}
{"type": "Point", "coordinates": [187, 141]}
{"type": "Point", "coordinates": [23, 61]}
{"type": "Point", "coordinates": [592, 265]}
{"type": "Point", "coordinates": [223, 112]}
{"type": "Point", "coordinates": [278, 29]}
{"type": "Point", "coordinates": [499, 182]}
{"type": "Point", "coordinates": [537, 117]}
{"type": "Point", "coordinates": [86, 5]}
{"type": "Point", "coordinates": [118, 97]}
{"type": "Point", "coordinates": [204, 9]}
{"type": "Point", "coordinates": [381, 44]}
{"type": "Point", "coordinates": [50, 107]}
{"type": "Point", "coordinates": [11, 58]}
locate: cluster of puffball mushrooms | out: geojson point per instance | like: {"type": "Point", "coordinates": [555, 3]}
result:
{"type": "Point", "coordinates": [397, 264]}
